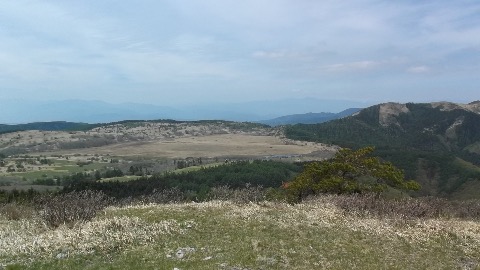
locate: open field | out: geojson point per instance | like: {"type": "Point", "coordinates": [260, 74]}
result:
{"type": "Point", "coordinates": [143, 148]}
{"type": "Point", "coordinates": [225, 145]}
{"type": "Point", "coordinates": [224, 235]}
{"type": "Point", "coordinates": [28, 170]}
{"type": "Point", "coordinates": [164, 139]}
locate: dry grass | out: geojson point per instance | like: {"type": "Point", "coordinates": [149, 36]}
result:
{"type": "Point", "coordinates": [406, 208]}
{"type": "Point", "coordinates": [30, 240]}
{"type": "Point", "coordinates": [214, 145]}
{"type": "Point", "coordinates": [170, 140]}
{"type": "Point", "coordinates": [226, 235]}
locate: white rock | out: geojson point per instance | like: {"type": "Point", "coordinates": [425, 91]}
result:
{"type": "Point", "coordinates": [207, 258]}
{"type": "Point", "coordinates": [180, 254]}
{"type": "Point", "coordinates": [61, 256]}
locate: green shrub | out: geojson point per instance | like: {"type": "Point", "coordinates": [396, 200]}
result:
{"type": "Point", "coordinates": [349, 172]}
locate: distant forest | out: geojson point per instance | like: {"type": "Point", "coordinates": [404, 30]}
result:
{"type": "Point", "coordinates": [197, 184]}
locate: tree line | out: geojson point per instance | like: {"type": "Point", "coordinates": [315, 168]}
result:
{"type": "Point", "coordinates": [196, 183]}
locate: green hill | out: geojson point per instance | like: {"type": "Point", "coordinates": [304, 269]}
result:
{"type": "Point", "coordinates": [437, 144]}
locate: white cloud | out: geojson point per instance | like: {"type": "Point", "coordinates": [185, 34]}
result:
{"type": "Point", "coordinates": [352, 66]}
{"type": "Point", "coordinates": [259, 46]}
{"type": "Point", "coordinates": [418, 69]}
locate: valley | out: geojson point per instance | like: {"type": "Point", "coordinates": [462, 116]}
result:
{"type": "Point", "coordinates": [109, 195]}
{"type": "Point", "coordinates": [154, 146]}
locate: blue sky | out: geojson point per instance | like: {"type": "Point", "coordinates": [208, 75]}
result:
{"type": "Point", "coordinates": [187, 51]}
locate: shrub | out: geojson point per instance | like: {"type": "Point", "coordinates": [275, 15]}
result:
{"type": "Point", "coordinates": [241, 195]}
{"type": "Point", "coordinates": [72, 207]}
{"type": "Point", "coordinates": [172, 195]}
{"type": "Point", "coordinates": [221, 193]}
{"type": "Point", "coordinates": [407, 208]}
{"type": "Point", "coordinates": [349, 172]}
{"type": "Point", "coordinates": [16, 211]}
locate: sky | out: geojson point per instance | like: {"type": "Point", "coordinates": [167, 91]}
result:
{"type": "Point", "coordinates": [168, 52]}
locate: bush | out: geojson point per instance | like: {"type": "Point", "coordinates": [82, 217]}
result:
{"type": "Point", "coordinates": [16, 211]}
{"type": "Point", "coordinates": [172, 195]}
{"type": "Point", "coordinates": [241, 195]}
{"type": "Point", "coordinates": [407, 208]}
{"type": "Point", "coordinates": [72, 207]}
{"type": "Point", "coordinates": [349, 172]}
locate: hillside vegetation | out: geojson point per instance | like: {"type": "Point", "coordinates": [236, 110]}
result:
{"type": "Point", "coordinates": [436, 144]}
{"type": "Point", "coordinates": [226, 209]}
{"type": "Point", "coordinates": [330, 232]}
{"type": "Point", "coordinates": [195, 185]}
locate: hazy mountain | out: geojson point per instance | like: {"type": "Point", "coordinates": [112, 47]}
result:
{"type": "Point", "coordinates": [308, 118]}
{"type": "Point", "coordinates": [438, 143]}
{"type": "Point", "coordinates": [79, 111]}
{"type": "Point", "coordinates": [27, 111]}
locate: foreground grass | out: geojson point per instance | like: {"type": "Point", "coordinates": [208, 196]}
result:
{"type": "Point", "coordinates": [224, 235]}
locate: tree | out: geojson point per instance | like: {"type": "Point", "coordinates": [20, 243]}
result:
{"type": "Point", "coordinates": [97, 175]}
{"type": "Point", "coordinates": [349, 172]}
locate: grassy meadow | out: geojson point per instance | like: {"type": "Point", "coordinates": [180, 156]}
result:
{"type": "Point", "coordinates": [315, 234]}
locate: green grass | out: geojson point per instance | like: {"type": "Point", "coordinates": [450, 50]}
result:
{"type": "Point", "coordinates": [121, 178]}
{"type": "Point", "coordinates": [55, 171]}
{"type": "Point", "coordinates": [196, 168]}
{"type": "Point", "coordinates": [467, 191]}
{"type": "Point", "coordinates": [474, 148]}
{"type": "Point", "coordinates": [32, 175]}
{"type": "Point", "coordinates": [223, 235]}
{"type": "Point", "coordinates": [467, 165]}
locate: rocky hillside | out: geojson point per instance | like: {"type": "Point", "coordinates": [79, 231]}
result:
{"type": "Point", "coordinates": [438, 143]}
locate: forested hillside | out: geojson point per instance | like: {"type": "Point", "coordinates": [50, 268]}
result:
{"type": "Point", "coordinates": [437, 144]}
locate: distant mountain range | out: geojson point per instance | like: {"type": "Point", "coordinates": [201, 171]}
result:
{"type": "Point", "coordinates": [308, 118]}
{"type": "Point", "coordinates": [25, 111]}
{"type": "Point", "coordinates": [438, 144]}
